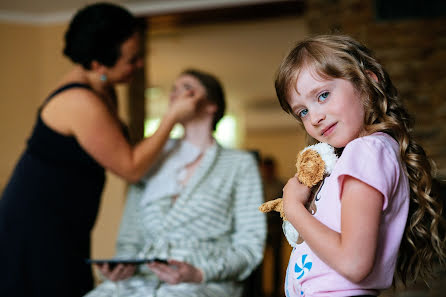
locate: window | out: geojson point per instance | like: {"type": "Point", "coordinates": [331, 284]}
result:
{"type": "Point", "coordinates": [225, 134]}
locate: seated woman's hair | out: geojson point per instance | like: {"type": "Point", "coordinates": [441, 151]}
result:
{"type": "Point", "coordinates": [96, 32]}
{"type": "Point", "coordinates": [214, 92]}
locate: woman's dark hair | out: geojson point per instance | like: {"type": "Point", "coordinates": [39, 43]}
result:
{"type": "Point", "coordinates": [214, 92]}
{"type": "Point", "coordinates": [96, 32]}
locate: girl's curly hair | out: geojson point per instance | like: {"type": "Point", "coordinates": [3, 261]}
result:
{"type": "Point", "coordinates": [339, 56]}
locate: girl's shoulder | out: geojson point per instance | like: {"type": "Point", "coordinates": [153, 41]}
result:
{"type": "Point", "coordinates": [377, 152]}
{"type": "Point", "coordinates": [374, 160]}
{"type": "Point", "coordinates": [376, 143]}
{"type": "Point", "coordinates": [375, 137]}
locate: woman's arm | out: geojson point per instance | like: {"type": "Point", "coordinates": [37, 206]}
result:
{"type": "Point", "coordinates": [351, 252]}
{"type": "Point", "coordinates": [82, 114]}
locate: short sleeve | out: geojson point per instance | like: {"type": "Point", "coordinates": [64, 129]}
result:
{"type": "Point", "coordinates": [373, 160]}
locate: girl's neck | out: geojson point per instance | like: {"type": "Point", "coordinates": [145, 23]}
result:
{"type": "Point", "coordinates": [199, 134]}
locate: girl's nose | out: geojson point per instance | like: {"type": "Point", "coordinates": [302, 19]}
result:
{"type": "Point", "coordinates": [317, 117]}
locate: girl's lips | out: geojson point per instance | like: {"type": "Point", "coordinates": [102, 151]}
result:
{"type": "Point", "coordinates": [328, 130]}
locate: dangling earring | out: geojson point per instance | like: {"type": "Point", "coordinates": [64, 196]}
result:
{"type": "Point", "coordinates": [103, 78]}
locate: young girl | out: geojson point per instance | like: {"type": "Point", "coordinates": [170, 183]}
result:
{"type": "Point", "coordinates": [375, 212]}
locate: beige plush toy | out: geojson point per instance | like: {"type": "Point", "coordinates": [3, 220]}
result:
{"type": "Point", "coordinates": [314, 163]}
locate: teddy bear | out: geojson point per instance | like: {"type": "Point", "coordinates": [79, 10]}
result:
{"type": "Point", "coordinates": [314, 163]}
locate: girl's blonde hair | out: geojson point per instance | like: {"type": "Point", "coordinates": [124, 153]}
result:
{"type": "Point", "coordinates": [338, 56]}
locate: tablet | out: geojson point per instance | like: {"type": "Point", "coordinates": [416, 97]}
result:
{"type": "Point", "coordinates": [113, 262]}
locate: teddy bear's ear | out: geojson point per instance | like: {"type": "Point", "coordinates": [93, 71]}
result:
{"type": "Point", "coordinates": [310, 167]}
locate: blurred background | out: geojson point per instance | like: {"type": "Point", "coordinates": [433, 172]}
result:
{"type": "Point", "coordinates": [242, 42]}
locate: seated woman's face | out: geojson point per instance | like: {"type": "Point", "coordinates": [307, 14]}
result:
{"type": "Point", "coordinates": [186, 83]}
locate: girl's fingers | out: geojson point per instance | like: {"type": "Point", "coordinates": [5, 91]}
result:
{"type": "Point", "coordinates": [116, 272]}
{"type": "Point", "coordinates": [166, 273]}
{"type": "Point", "coordinates": [174, 262]}
{"type": "Point", "coordinates": [127, 271]}
{"type": "Point", "coordinates": [104, 269]}
{"type": "Point", "coordinates": [163, 268]}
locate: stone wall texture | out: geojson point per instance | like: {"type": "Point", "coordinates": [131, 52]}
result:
{"type": "Point", "coordinates": [412, 50]}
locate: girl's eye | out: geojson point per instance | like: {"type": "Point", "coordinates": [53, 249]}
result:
{"type": "Point", "coordinates": [302, 113]}
{"type": "Point", "coordinates": [323, 96]}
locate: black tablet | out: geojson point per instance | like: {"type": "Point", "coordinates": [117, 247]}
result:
{"type": "Point", "coordinates": [113, 262]}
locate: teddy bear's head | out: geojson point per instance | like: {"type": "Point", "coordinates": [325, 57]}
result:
{"type": "Point", "coordinates": [313, 163]}
{"type": "Point", "coordinates": [310, 167]}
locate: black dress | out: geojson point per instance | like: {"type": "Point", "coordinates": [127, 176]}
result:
{"type": "Point", "coordinates": [47, 211]}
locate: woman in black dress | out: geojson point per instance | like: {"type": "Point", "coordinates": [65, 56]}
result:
{"type": "Point", "coordinates": [49, 206]}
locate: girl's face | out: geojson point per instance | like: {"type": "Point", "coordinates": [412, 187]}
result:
{"type": "Point", "coordinates": [186, 85]}
{"type": "Point", "coordinates": [331, 109]}
{"type": "Point", "coordinates": [129, 61]}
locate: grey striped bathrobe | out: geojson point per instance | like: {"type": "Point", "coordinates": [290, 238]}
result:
{"type": "Point", "coordinates": [214, 224]}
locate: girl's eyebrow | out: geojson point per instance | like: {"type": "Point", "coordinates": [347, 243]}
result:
{"type": "Point", "coordinates": [297, 107]}
{"type": "Point", "coordinates": [312, 93]}
{"type": "Point", "coordinates": [187, 85]}
{"type": "Point", "coordinates": [317, 89]}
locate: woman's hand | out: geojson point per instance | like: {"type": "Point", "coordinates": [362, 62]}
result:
{"type": "Point", "coordinates": [120, 272]}
{"type": "Point", "coordinates": [176, 272]}
{"type": "Point", "coordinates": [185, 105]}
{"type": "Point", "coordinates": [294, 194]}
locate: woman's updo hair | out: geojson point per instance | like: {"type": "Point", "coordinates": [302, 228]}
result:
{"type": "Point", "coordinates": [214, 92]}
{"type": "Point", "coordinates": [97, 32]}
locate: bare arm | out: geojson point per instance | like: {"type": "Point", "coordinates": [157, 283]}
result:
{"type": "Point", "coordinates": [351, 252]}
{"type": "Point", "coordinates": [82, 114]}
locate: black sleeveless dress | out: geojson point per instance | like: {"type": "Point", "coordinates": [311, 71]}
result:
{"type": "Point", "coordinates": [47, 211]}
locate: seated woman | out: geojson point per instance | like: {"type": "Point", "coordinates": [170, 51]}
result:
{"type": "Point", "coordinates": [197, 207]}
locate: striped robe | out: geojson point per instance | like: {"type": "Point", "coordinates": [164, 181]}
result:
{"type": "Point", "coordinates": [214, 225]}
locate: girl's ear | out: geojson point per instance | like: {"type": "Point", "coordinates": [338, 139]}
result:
{"type": "Point", "coordinates": [372, 75]}
{"type": "Point", "coordinates": [211, 108]}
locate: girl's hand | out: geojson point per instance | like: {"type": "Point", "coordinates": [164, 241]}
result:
{"type": "Point", "coordinates": [120, 272]}
{"type": "Point", "coordinates": [185, 106]}
{"type": "Point", "coordinates": [294, 194]}
{"type": "Point", "coordinates": [176, 272]}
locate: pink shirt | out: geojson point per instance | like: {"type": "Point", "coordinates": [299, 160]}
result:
{"type": "Point", "coordinates": [374, 160]}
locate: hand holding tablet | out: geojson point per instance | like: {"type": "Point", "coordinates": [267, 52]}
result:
{"type": "Point", "coordinates": [113, 262]}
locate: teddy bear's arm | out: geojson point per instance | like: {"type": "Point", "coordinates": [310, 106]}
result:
{"type": "Point", "coordinates": [273, 205]}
